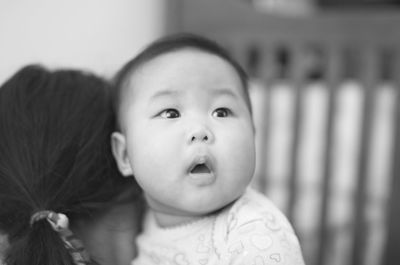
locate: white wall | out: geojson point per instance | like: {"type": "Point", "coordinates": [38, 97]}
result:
{"type": "Point", "coordinates": [99, 35]}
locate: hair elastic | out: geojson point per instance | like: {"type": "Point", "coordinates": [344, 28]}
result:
{"type": "Point", "coordinates": [60, 223]}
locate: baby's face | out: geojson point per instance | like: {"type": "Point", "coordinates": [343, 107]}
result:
{"type": "Point", "coordinates": [188, 132]}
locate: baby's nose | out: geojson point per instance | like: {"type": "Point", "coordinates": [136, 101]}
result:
{"type": "Point", "coordinates": [198, 137]}
{"type": "Point", "coordinates": [201, 134]}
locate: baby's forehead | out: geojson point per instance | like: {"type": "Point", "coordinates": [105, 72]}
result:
{"type": "Point", "coordinates": [183, 64]}
{"type": "Point", "coordinates": [129, 87]}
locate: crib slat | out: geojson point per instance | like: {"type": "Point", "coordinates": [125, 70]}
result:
{"type": "Point", "coordinates": [334, 62]}
{"type": "Point", "coordinates": [266, 75]}
{"type": "Point", "coordinates": [296, 75]}
{"type": "Point", "coordinates": [391, 255]}
{"type": "Point", "coordinates": [370, 74]}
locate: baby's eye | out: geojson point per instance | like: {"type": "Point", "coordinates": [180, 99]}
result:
{"type": "Point", "coordinates": [221, 112]}
{"type": "Point", "coordinates": [170, 114]}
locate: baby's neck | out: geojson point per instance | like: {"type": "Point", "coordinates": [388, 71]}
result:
{"type": "Point", "coordinates": [167, 220]}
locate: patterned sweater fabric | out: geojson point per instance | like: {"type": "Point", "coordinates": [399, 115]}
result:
{"type": "Point", "coordinates": [251, 231]}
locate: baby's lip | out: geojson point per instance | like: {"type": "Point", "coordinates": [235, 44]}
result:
{"type": "Point", "coordinates": [201, 165]}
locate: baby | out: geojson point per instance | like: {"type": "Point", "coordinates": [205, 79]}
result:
{"type": "Point", "coordinates": [186, 134]}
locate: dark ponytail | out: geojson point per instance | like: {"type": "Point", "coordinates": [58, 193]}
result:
{"type": "Point", "coordinates": [38, 245]}
{"type": "Point", "coordinates": [54, 155]}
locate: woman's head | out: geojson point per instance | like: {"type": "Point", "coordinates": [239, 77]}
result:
{"type": "Point", "coordinates": [54, 155]}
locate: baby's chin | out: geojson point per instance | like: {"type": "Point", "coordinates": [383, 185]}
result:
{"type": "Point", "coordinates": [209, 208]}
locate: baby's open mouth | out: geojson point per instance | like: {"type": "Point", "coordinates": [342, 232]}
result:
{"type": "Point", "coordinates": [200, 168]}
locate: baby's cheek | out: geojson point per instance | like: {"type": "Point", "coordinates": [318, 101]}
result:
{"type": "Point", "coordinates": [245, 162]}
{"type": "Point", "coordinates": [240, 163]}
{"type": "Point", "coordinates": [244, 152]}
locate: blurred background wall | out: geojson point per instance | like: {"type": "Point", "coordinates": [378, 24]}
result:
{"type": "Point", "coordinates": [99, 35]}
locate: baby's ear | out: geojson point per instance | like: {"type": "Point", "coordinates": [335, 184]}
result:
{"type": "Point", "coordinates": [120, 153]}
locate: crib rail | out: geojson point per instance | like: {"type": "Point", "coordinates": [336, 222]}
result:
{"type": "Point", "coordinates": [333, 60]}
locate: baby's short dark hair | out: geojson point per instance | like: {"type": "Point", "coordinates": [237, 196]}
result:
{"type": "Point", "coordinates": [174, 43]}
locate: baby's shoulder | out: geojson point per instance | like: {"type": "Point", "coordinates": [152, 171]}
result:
{"type": "Point", "coordinates": [253, 226]}
{"type": "Point", "coordinates": [256, 207]}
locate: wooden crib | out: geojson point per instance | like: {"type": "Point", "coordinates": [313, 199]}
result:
{"type": "Point", "coordinates": [325, 93]}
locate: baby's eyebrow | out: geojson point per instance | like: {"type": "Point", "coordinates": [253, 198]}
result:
{"type": "Point", "coordinates": [166, 93]}
{"type": "Point", "coordinates": [224, 92]}
{"type": "Point", "coordinates": [176, 93]}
